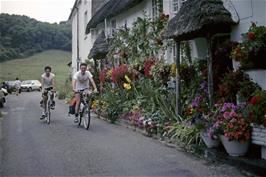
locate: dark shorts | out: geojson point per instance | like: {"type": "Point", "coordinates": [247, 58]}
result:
{"type": "Point", "coordinates": [81, 90]}
{"type": "Point", "coordinates": [46, 90]}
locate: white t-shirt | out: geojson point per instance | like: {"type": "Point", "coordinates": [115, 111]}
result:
{"type": "Point", "coordinates": [17, 84]}
{"type": "Point", "coordinates": [47, 81]}
{"type": "Point", "coordinates": [83, 80]}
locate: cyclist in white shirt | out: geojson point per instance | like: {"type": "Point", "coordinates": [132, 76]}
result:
{"type": "Point", "coordinates": [48, 83]}
{"type": "Point", "coordinates": [81, 82]}
{"type": "Point", "coordinates": [17, 86]}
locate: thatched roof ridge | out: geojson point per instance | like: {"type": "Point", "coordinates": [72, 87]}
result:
{"type": "Point", "coordinates": [100, 47]}
{"type": "Point", "coordinates": [110, 9]}
{"type": "Point", "coordinates": [197, 18]}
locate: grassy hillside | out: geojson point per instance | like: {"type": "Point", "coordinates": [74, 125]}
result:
{"type": "Point", "coordinates": [33, 67]}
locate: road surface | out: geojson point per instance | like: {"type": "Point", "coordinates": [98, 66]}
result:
{"type": "Point", "coordinates": [30, 147]}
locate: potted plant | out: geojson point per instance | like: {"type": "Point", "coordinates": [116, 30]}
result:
{"type": "Point", "coordinates": [234, 128]}
{"type": "Point", "coordinates": [257, 112]}
{"type": "Point", "coordinates": [251, 54]}
{"type": "Point", "coordinates": [236, 86]}
{"type": "Point", "coordinates": [209, 133]}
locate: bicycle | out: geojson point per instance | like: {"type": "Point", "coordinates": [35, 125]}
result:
{"type": "Point", "coordinates": [84, 110]}
{"type": "Point", "coordinates": [49, 103]}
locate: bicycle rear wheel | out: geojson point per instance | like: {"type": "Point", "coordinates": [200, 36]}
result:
{"type": "Point", "coordinates": [48, 118]}
{"type": "Point", "coordinates": [80, 118]}
{"type": "Point", "coordinates": [87, 118]}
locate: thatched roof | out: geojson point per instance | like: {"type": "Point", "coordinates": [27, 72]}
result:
{"type": "Point", "coordinates": [110, 9]}
{"type": "Point", "coordinates": [100, 47]}
{"type": "Point", "coordinates": [197, 18]}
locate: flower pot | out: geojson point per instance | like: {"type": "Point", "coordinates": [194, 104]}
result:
{"type": "Point", "coordinates": [258, 136]}
{"type": "Point", "coordinates": [209, 142]}
{"type": "Point", "coordinates": [236, 65]}
{"type": "Point", "coordinates": [233, 147]}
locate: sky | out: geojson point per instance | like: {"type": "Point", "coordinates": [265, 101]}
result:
{"type": "Point", "coordinates": [52, 11]}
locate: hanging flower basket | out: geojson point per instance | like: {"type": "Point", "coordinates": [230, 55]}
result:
{"type": "Point", "coordinates": [251, 52]}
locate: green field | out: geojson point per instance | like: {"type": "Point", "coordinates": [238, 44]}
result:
{"type": "Point", "coordinates": [32, 67]}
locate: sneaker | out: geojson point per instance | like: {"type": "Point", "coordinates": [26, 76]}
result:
{"type": "Point", "coordinates": [76, 120]}
{"type": "Point", "coordinates": [53, 105]}
{"type": "Point", "coordinates": [43, 116]}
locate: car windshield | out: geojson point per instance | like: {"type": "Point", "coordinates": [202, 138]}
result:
{"type": "Point", "coordinates": [10, 82]}
{"type": "Point", "coordinates": [26, 82]}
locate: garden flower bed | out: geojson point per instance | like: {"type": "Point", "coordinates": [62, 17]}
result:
{"type": "Point", "coordinates": [137, 90]}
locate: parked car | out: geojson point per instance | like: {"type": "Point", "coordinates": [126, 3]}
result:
{"type": "Point", "coordinates": [10, 86]}
{"type": "Point", "coordinates": [30, 85]}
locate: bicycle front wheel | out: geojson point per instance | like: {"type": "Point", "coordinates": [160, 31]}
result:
{"type": "Point", "coordinates": [87, 118]}
{"type": "Point", "coordinates": [80, 118]}
{"type": "Point", "coordinates": [48, 118]}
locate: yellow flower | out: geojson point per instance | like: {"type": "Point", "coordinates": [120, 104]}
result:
{"type": "Point", "coordinates": [94, 104]}
{"type": "Point", "coordinates": [127, 79]}
{"type": "Point", "coordinates": [173, 69]}
{"type": "Point", "coordinates": [127, 86]}
{"type": "Point", "coordinates": [109, 73]}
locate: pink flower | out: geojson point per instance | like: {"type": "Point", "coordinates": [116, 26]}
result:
{"type": "Point", "coordinates": [233, 114]}
{"type": "Point", "coordinates": [226, 135]}
{"type": "Point", "coordinates": [226, 115]}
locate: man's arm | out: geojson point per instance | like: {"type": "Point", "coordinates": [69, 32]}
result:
{"type": "Point", "coordinates": [93, 83]}
{"type": "Point", "coordinates": [74, 84]}
{"type": "Point", "coordinates": [53, 83]}
{"type": "Point", "coordinates": [42, 84]}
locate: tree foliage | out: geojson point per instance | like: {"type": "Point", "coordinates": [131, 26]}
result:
{"type": "Point", "coordinates": [21, 36]}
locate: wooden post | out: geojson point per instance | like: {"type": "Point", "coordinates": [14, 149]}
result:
{"type": "Point", "coordinates": [178, 88]}
{"type": "Point", "coordinates": [210, 73]}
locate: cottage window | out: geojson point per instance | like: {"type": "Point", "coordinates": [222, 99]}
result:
{"type": "Point", "coordinates": [176, 4]}
{"type": "Point", "coordinates": [174, 51]}
{"type": "Point", "coordinates": [157, 8]}
{"type": "Point", "coordinates": [113, 27]}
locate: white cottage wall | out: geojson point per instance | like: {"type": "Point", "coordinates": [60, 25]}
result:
{"type": "Point", "coordinates": [248, 11]}
{"type": "Point", "coordinates": [85, 43]}
{"type": "Point", "coordinates": [74, 43]}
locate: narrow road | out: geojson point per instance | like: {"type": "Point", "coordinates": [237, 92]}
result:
{"type": "Point", "coordinates": [30, 147]}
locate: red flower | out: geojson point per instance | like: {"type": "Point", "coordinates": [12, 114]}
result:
{"type": "Point", "coordinates": [102, 75]}
{"type": "Point", "coordinates": [254, 100]}
{"type": "Point", "coordinates": [118, 73]}
{"type": "Point", "coordinates": [147, 67]}
{"type": "Point", "coordinates": [251, 36]}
